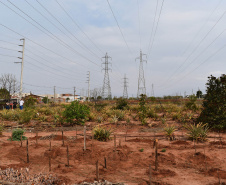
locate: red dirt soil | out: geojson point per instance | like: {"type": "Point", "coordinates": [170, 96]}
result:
{"type": "Point", "coordinates": [181, 162]}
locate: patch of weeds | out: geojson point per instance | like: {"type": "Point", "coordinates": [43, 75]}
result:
{"type": "Point", "coordinates": [101, 133]}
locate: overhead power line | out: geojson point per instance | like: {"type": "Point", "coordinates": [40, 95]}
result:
{"type": "Point", "coordinates": [118, 26]}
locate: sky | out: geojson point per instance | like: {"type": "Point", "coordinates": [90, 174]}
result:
{"type": "Point", "coordinates": [183, 43]}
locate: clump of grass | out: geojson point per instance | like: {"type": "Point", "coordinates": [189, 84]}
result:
{"type": "Point", "coordinates": [141, 150]}
{"type": "Point", "coordinates": [169, 132]}
{"type": "Point", "coordinates": [197, 131]}
{"type": "Point", "coordinates": [115, 119]}
{"type": "Point", "coordinates": [16, 135]}
{"type": "Point", "coordinates": [101, 133]}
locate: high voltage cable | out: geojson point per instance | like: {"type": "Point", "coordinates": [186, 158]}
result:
{"type": "Point", "coordinates": [197, 46]}
{"type": "Point", "coordinates": [65, 28]}
{"type": "Point", "coordinates": [202, 27]}
{"type": "Point", "coordinates": [8, 49]}
{"type": "Point", "coordinates": [156, 27]}
{"type": "Point", "coordinates": [79, 27]}
{"type": "Point", "coordinates": [43, 46]}
{"type": "Point", "coordinates": [153, 24]}
{"type": "Point", "coordinates": [8, 42]}
{"type": "Point", "coordinates": [8, 56]}
{"type": "Point", "coordinates": [211, 56]}
{"type": "Point", "coordinates": [138, 9]}
{"type": "Point", "coordinates": [119, 27]}
{"type": "Point", "coordinates": [51, 34]}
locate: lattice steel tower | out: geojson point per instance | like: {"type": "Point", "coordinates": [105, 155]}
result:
{"type": "Point", "coordinates": [125, 93]}
{"type": "Point", "coordinates": [141, 80]}
{"type": "Point", "coordinates": [106, 90]}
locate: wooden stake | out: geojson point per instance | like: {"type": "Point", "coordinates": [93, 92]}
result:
{"type": "Point", "coordinates": [76, 131]}
{"type": "Point", "coordinates": [84, 138]}
{"type": "Point", "coordinates": [105, 162]}
{"type": "Point", "coordinates": [21, 142]}
{"type": "Point", "coordinates": [115, 142]}
{"type": "Point", "coordinates": [62, 138]}
{"type": "Point", "coordinates": [49, 145]}
{"type": "Point", "coordinates": [92, 141]}
{"type": "Point", "coordinates": [219, 177]}
{"type": "Point", "coordinates": [67, 156]}
{"type": "Point", "coordinates": [27, 153]}
{"type": "Point", "coordinates": [50, 163]}
{"type": "Point", "coordinates": [150, 174]}
{"type": "Point", "coordinates": [36, 138]}
{"type": "Point", "coordinates": [156, 154]}
{"type": "Point", "coordinates": [97, 170]}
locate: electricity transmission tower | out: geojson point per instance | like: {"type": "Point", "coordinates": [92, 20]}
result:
{"type": "Point", "coordinates": [125, 93]}
{"type": "Point", "coordinates": [141, 80]}
{"type": "Point", "coordinates": [106, 90]}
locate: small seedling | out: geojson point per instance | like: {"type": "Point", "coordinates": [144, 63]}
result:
{"type": "Point", "coordinates": [163, 150]}
{"type": "Point", "coordinates": [141, 150]}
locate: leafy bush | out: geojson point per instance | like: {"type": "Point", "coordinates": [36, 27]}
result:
{"type": "Point", "coordinates": [76, 112]}
{"type": "Point", "coordinates": [214, 104]}
{"type": "Point", "coordinates": [121, 104]}
{"type": "Point", "coordinates": [26, 116]}
{"type": "Point", "coordinates": [169, 132]}
{"type": "Point", "coordinates": [142, 109]}
{"type": "Point", "coordinates": [17, 133]}
{"type": "Point", "coordinates": [101, 133]}
{"type": "Point", "coordinates": [191, 103]}
{"type": "Point", "coordinates": [100, 106]}
{"type": "Point", "coordinates": [30, 102]}
{"type": "Point", "coordinates": [197, 132]}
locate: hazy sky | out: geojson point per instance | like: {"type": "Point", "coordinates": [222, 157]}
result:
{"type": "Point", "coordinates": [184, 42]}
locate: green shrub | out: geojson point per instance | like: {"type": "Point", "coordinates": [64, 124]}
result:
{"type": "Point", "coordinates": [141, 150]}
{"type": "Point", "coordinates": [121, 104]}
{"type": "Point", "coordinates": [26, 116]}
{"type": "Point", "coordinates": [169, 132]}
{"type": "Point", "coordinates": [214, 104]}
{"type": "Point", "coordinates": [17, 133]}
{"type": "Point", "coordinates": [101, 133]}
{"type": "Point", "coordinates": [142, 109]}
{"type": "Point", "coordinates": [191, 104]}
{"type": "Point", "coordinates": [76, 112]}
{"type": "Point", "coordinates": [163, 150]}
{"type": "Point", "coordinates": [30, 102]}
{"type": "Point", "coordinates": [197, 131]}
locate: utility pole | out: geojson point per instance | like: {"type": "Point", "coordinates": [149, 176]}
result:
{"type": "Point", "coordinates": [141, 80]}
{"type": "Point", "coordinates": [125, 93]}
{"type": "Point", "coordinates": [54, 94]}
{"type": "Point", "coordinates": [106, 90]}
{"type": "Point", "coordinates": [152, 90]}
{"type": "Point", "coordinates": [22, 67]}
{"type": "Point", "coordinates": [74, 93]}
{"type": "Point", "coordinates": [88, 81]}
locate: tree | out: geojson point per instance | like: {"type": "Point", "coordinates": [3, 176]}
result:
{"type": "Point", "coordinates": [214, 104]}
{"type": "Point", "coordinates": [199, 94]}
{"type": "Point", "coordinates": [4, 94]}
{"type": "Point", "coordinates": [45, 99]}
{"type": "Point", "coordinates": [9, 82]}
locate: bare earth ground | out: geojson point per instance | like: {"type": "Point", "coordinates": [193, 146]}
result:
{"type": "Point", "coordinates": [179, 164]}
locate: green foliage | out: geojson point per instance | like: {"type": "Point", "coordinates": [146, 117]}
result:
{"type": "Point", "coordinates": [142, 109]}
{"type": "Point", "coordinates": [101, 133]}
{"type": "Point", "coordinates": [141, 150]}
{"type": "Point", "coordinates": [4, 94]}
{"type": "Point", "coordinates": [45, 100]}
{"type": "Point", "coordinates": [163, 150]}
{"type": "Point", "coordinates": [76, 112]}
{"type": "Point", "coordinates": [17, 133]}
{"type": "Point", "coordinates": [214, 104]}
{"type": "Point", "coordinates": [99, 119]}
{"type": "Point", "coordinates": [26, 116]}
{"type": "Point", "coordinates": [199, 94]}
{"type": "Point", "coordinates": [30, 102]}
{"type": "Point", "coordinates": [100, 106]}
{"type": "Point", "coordinates": [121, 104]}
{"type": "Point", "coordinates": [197, 131]}
{"type": "Point", "coordinates": [191, 103]}
{"type": "Point", "coordinates": [169, 131]}
{"type": "Point", "coordinates": [115, 119]}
